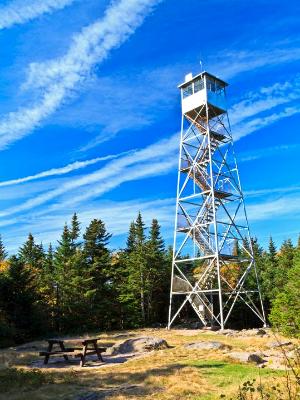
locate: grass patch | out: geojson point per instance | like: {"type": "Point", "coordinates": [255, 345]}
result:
{"type": "Point", "coordinates": [226, 376]}
{"type": "Point", "coordinates": [13, 378]}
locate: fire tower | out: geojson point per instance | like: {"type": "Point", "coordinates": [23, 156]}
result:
{"type": "Point", "coordinates": [213, 265]}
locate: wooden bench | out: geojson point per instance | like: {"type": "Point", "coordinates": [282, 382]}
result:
{"type": "Point", "coordinates": [89, 347]}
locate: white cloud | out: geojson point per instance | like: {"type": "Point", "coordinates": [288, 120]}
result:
{"type": "Point", "coordinates": [57, 79]}
{"type": "Point", "coordinates": [265, 99]}
{"type": "Point", "coordinates": [287, 206]}
{"type": "Point", "coordinates": [153, 160]}
{"type": "Point", "coordinates": [21, 11]}
{"type": "Point", "coordinates": [264, 192]}
{"type": "Point", "coordinates": [232, 63]}
{"type": "Point", "coordinates": [246, 127]}
{"type": "Point", "coordinates": [60, 171]}
{"type": "Point", "coordinates": [266, 152]}
{"type": "Point", "coordinates": [116, 215]}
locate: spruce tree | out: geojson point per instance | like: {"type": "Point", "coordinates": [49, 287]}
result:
{"type": "Point", "coordinates": [140, 230]}
{"type": "Point", "coordinates": [31, 253]}
{"type": "Point", "coordinates": [285, 263]}
{"type": "Point", "coordinates": [158, 274]}
{"type": "Point", "coordinates": [96, 239]}
{"type": "Point", "coordinates": [63, 286]}
{"type": "Point", "coordinates": [135, 264]}
{"type": "Point", "coordinates": [285, 313]}
{"type": "Point", "coordinates": [21, 301]}
{"type": "Point", "coordinates": [65, 249]}
{"type": "Point", "coordinates": [97, 272]}
{"type": "Point", "coordinates": [3, 253]}
{"type": "Point", "coordinates": [131, 239]}
{"type": "Point", "coordinates": [268, 273]}
{"type": "Point", "coordinates": [75, 230]}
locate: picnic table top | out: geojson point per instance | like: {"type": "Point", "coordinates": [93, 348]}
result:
{"type": "Point", "coordinates": [59, 340]}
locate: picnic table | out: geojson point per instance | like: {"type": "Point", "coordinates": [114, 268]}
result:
{"type": "Point", "coordinates": [89, 347]}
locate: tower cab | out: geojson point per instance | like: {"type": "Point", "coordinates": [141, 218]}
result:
{"type": "Point", "coordinates": [200, 90]}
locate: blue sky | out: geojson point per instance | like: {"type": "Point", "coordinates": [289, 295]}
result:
{"type": "Point", "coordinates": [90, 110]}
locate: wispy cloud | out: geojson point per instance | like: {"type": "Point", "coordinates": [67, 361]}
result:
{"type": "Point", "coordinates": [272, 191]}
{"type": "Point", "coordinates": [288, 206]}
{"type": "Point", "coordinates": [156, 159]}
{"type": "Point", "coordinates": [264, 99]}
{"type": "Point", "coordinates": [56, 80]}
{"type": "Point", "coordinates": [232, 63]}
{"type": "Point", "coordinates": [247, 127]}
{"type": "Point", "coordinates": [20, 11]}
{"type": "Point", "coordinates": [266, 152]}
{"type": "Point", "coordinates": [116, 215]}
{"type": "Point", "coordinates": [60, 171]}
{"type": "Point", "coordinates": [250, 113]}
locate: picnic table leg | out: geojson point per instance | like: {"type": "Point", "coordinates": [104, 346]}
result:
{"type": "Point", "coordinates": [62, 346]}
{"type": "Point", "coordinates": [82, 358]}
{"type": "Point", "coordinates": [46, 359]}
{"type": "Point", "coordinates": [98, 352]}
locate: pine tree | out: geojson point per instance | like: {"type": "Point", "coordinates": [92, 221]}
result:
{"type": "Point", "coordinates": [158, 274]}
{"type": "Point", "coordinates": [272, 251]}
{"type": "Point", "coordinates": [285, 313]}
{"type": "Point", "coordinates": [75, 230]}
{"type": "Point", "coordinates": [140, 230]}
{"type": "Point", "coordinates": [65, 248]}
{"type": "Point", "coordinates": [31, 253]}
{"type": "Point", "coordinates": [21, 300]}
{"type": "Point", "coordinates": [3, 253]}
{"type": "Point", "coordinates": [155, 239]}
{"type": "Point", "coordinates": [285, 263]}
{"type": "Point", "coordinates": [49, 260]}
{"type": "Point", "coordinates": [268, 272]}
{"type": "Point", "coordinates": [131, 239]}
{"type": "Point", "coordinates": [98, 289]}
{"type": "Point", "coordinates": [96, 239]}
{"type": "Point", "coordinates": [63, 285]}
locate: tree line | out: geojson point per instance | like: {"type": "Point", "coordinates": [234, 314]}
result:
{"type": "Point", "coordinates": [81, 285]}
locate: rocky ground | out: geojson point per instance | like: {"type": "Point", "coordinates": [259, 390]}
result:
{"type": "Point", "coordinates": [189, 363]}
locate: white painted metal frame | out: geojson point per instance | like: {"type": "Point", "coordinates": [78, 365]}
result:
{"type": "Point", "coordinates": [210, 220]}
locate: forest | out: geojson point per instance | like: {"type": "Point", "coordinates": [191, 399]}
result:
{"type": "Point", "coordinates": [80, 285]}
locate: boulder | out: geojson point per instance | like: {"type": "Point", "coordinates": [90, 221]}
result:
{"type": "Point", "coordinates": [247, 357]}
{"type": "Point", "coordinates": [273, 345]}
{"type": "Point", "coordinates": [207, 346]}
{"type": "Point", "coordinates": [138, 345]}
{"type": "Point", "coordinates": [256, 358]}
{"type": "Point", "coordinates": [261, 332]}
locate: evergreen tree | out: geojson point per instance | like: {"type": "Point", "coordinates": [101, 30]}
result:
{"type": "Point", "coordinates": [65, 249]}
{"type": "Point", "coordinates": [285, 263]}
{"type": "Point", "coordinates": [64, 289]}
{"type": "Point", "coordinates": [98, 291]}
{"type": "Point", "coordinates": [49, 261]}
{"type": "Point", "coordinates": [96, 239]}
{"type": "Point", "coordinates": [285, 313]}
{"type": "Point", "coordinates": [21, 301]}
{"type": "Point", "coordinates": [131, 239]}
{"type": "Point", "coordinates": [140, 230]}
{"type": "Point", "coordinates": [31, 253]}
{"type": "Point", "coordinates": [158, 275]}
{"type": "Point", "coordinates": [268, 274]}
{"type": "Point", "coordinates": [75, 230]}
{"type": "Point", "coordinates": [3, 253]}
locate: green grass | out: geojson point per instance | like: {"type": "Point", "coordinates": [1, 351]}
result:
{"type": "Point", "coordinates": [223, 375]}
{"type": "Point", "coordinates": [18, 378]}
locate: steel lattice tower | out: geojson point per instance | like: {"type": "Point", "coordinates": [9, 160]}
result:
{"type": "Point", "coordinates": [213, 263]}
